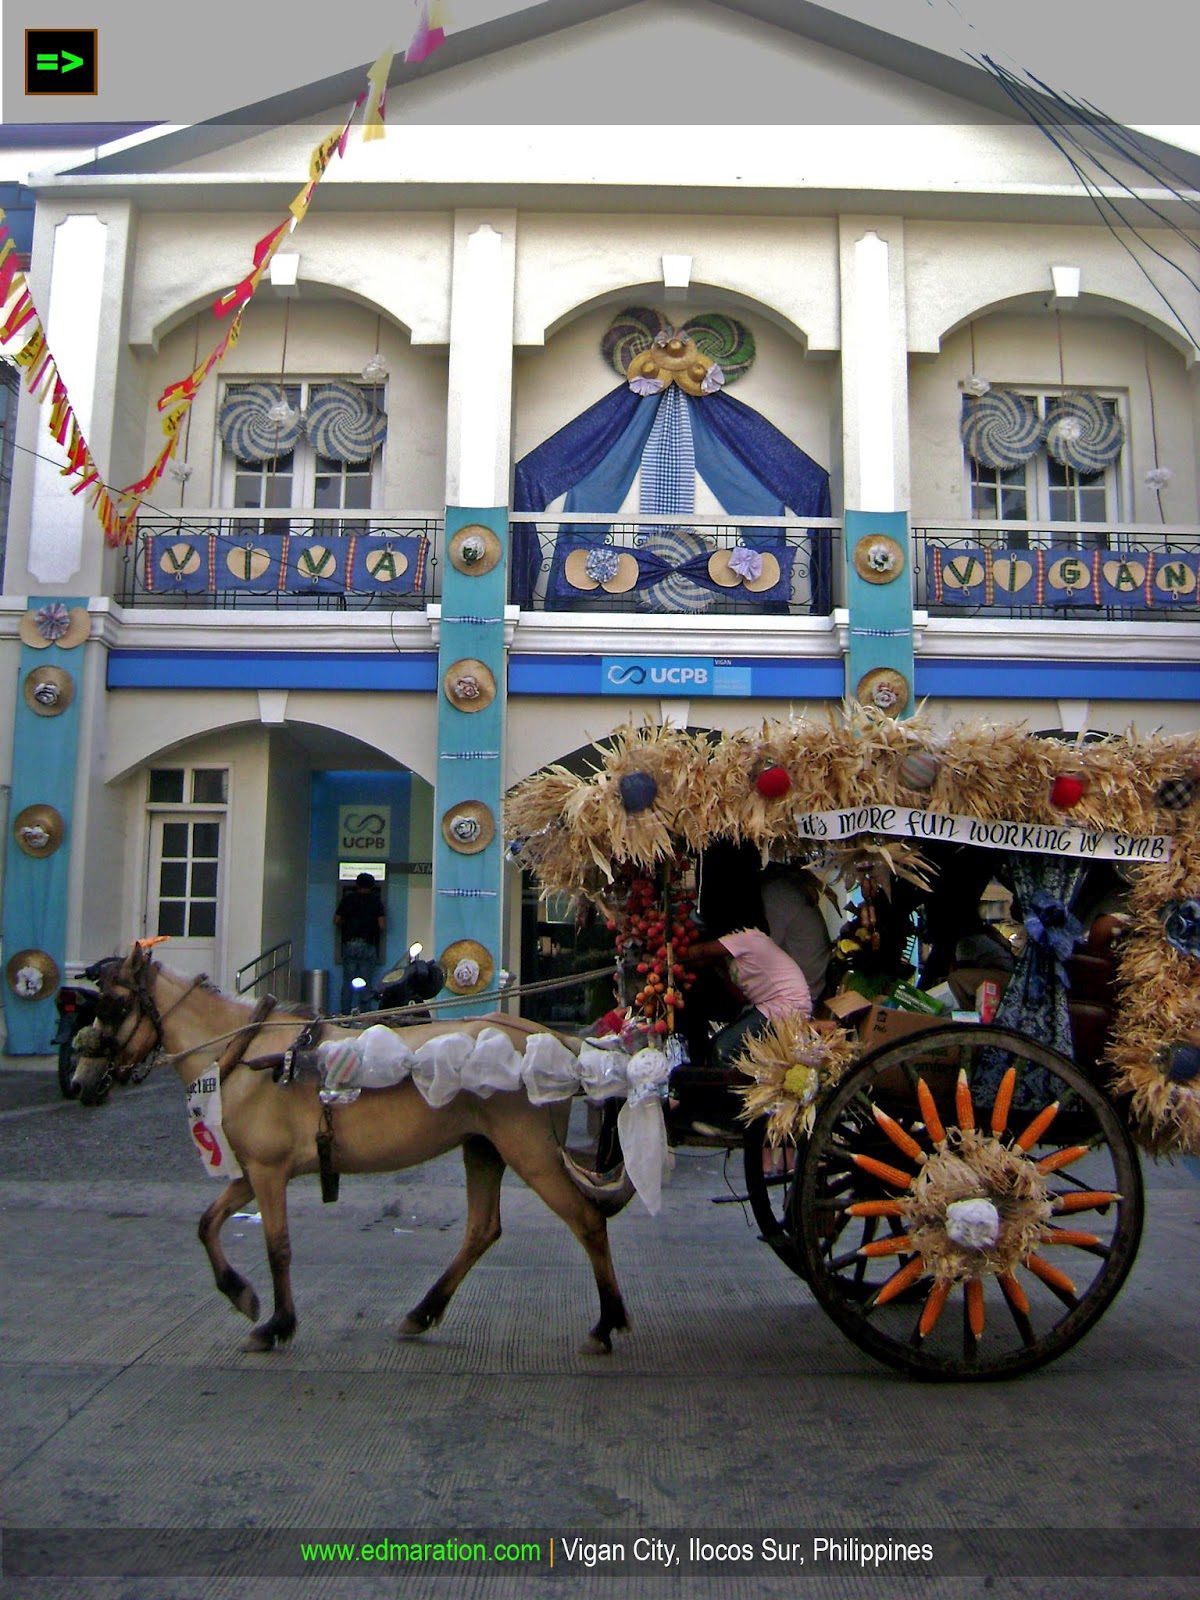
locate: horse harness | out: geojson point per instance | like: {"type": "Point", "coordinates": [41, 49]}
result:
{"type": "Point", "coordinates": [112, 1013]}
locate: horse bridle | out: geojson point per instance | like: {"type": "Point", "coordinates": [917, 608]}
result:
{"type": "Point", "coordinates": [114, 1011]}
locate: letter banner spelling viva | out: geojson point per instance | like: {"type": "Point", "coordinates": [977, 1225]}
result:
{"type": "Point", "coordinates": [1038, 838]}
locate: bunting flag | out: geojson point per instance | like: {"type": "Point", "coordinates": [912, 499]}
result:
{"type": "Point", "coordinates": [430, 33]}
{"type": "Point", "coordinates": [21, 326]}
{"type": "Point", "coordinates": [117, 510]}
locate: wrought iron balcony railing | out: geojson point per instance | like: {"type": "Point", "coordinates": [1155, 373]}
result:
{"type": "Point", "coordinates": [1086, 570]}
{"type": "Point", "coordinates": [682, 565]}
{"type": "Point", "coordinates": [220, 560]}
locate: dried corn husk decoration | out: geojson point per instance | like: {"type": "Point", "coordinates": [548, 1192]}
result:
{"type": "Point", "coordinates": [878, 861]}
{"type": "Point", "coordinates": [606, 834]}
{"type": "Point", "coordinates": [974, 1165]}
{"type": "Point", "coordinates": [792, 1063]}
{"type": "Point", "coordinates": [575, 833]}
{"type": "Point", "coordinates": [1159, 1005]}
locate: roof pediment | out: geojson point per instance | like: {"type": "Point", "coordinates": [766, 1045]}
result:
{"type": "Point", "coordinates": [709, 70]}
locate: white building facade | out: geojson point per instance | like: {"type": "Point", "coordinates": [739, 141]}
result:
{"type": "Point", "coordinates": [239, 738]}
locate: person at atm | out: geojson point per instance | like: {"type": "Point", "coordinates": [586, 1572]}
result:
{"type": "Point", "coordinates": [360, 920]}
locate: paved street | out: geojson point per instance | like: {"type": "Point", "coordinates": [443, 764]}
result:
{"type": "Point", "coordinates": [733, 1406]}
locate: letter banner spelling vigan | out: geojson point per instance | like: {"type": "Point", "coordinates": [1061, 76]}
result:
{"type": "Point", "coordinates": [972, 576]}
{"type": "Point", "coordinates": [1038, 838]}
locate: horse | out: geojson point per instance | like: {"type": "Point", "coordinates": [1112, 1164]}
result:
{"type": "Point", "coordinates": [272, 1129]}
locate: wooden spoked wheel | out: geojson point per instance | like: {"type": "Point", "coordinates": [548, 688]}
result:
{"type": "Point", "coordinates": [773, 1194]}
{"type": "Point", "coordinates": [909, 1271]}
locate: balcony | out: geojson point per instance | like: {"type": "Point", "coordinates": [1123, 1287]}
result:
{"type": "Point", "coordinates": [678, 565]}
{"type": "Point", "coordinates": [282, 560]}
{"type": "Point", "coordinates": [1086, 572]}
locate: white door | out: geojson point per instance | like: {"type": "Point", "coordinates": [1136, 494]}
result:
{"type": "Point", "coordinates": [184, 889]}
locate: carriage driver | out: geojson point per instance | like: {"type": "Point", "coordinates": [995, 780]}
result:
{"type": "Point", "coordinates": [771, 981]}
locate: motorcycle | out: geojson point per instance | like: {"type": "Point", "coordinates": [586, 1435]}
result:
{"type": "Point", "coordinates": [76, 1004]}
{"type": "Point", "coordinates": [410, 985]}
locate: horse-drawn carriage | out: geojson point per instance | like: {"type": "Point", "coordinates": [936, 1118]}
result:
{"type": "Point", "coordinates": [964, 1200]}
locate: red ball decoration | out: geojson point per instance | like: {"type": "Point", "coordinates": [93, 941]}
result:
{"type": "Point", "coordinates": [1067, 790]}
{"type": "Point", "coordinates": [772, 782]}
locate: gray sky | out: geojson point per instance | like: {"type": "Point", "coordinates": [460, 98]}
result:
{"type": "Point", "coordinates": [1132, 61]}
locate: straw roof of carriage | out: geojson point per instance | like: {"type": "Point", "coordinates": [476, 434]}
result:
{"type": "Point", "coordinates": [576, 834]}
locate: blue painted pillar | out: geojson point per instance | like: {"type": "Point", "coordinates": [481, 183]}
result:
{"type": "Point", "coordinates": [468, 860]}
{"type": "Point", "coordinates": [879, 660]}
{"type": "Point", "coordinates": [38, 846]}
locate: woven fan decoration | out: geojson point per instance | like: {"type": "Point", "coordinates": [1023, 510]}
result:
{"type": "Point", "coordinates": [247, 429]}
{"type": "Point", "coordinates": [1000, 429]}
{"type": "Point", "coordinates": [1083, 432]}
{"type": "Point", "coordinates": [722, 340]}
{"type": "Point", "coordinates": [630, 333]}
{"type": "Point", "coordinates": [344, 423]}
{"type": "Point", "coordinates": [727, 342]}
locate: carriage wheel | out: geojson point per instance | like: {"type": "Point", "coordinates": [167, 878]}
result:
{"type": "Point", "coordinates": [772, 1195]}
{"type": "Point", "coordinates": [938, 1288]}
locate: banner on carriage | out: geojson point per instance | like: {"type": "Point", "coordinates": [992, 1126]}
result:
{"type": "Point", "coordinates": [1051, 839]}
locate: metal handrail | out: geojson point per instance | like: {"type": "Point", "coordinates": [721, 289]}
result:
{"type": "Point", "coordinates": [278, 532]}
{"type": "Point", "coordinates": [280, 958]}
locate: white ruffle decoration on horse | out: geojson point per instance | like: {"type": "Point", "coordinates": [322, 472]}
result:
{"type": "Point", "coordinates": [642, 1128]}
{"type": "Point", "coordinates": [490, 1064]}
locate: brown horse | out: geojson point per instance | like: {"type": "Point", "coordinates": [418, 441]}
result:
{"type": "Point", "coordinates": [272, 1129]}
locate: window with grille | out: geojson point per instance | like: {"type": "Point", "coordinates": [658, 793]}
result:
{"type": "Point", "coordinates": [1043, 488]}
{"type": "Point", "coordinates": [300, 478]}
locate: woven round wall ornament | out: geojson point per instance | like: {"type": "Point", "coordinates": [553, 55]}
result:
{"type": "Point", "coordinates": [54, 624]}
{"type": "Point", "coordinates": [38, 830]}
{"type": "Point", "coordinates": [344, 423]}
{"type": "Point", "coordinates": [724, 340]}
{"type": "Point", "coordinates": [468, 966]}
{"type": "Point", "coordinates": [253, 426]}
{"type": "Point", "coordinates": [1083, 432]}
{"type": "Point", "coordinates": [731, 569]}
{"type": "Point", "coordinates": [673, 358]}
{"type": "Point", "coordinates": [630, 333]}
{"type": "Point", "coordinates": [885, 689]}
{"type": "Point", "coordinates": [474, 550]}
{"type": "Point", "coordinates": [1000, 429]}
{"type": "Point", "coordinates": [602, 567]}
{"type": "Point", "coordinates": [878, 558]}
{"type": "Point", "coordinates": [32, 974]}
{"type": "Point", "coordinates": [468, 827]}
{"type": "Point", "coordinates": [469, 684]}
{"type": "Point", "coordinates": [48, 691]}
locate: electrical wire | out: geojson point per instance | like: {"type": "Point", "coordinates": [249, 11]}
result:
{"type": "Point", "coordinates": [1013, 89]}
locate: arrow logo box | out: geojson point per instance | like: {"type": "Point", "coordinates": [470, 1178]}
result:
{"type": "Point", "coordinates": [61, 61]}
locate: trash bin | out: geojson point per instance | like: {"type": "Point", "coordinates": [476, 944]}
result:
{"type": "Point", "coordinates": [314, 988]}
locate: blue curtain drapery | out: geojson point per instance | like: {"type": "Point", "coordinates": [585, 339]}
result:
{"type": "Point", "coordinates": [751, 468]}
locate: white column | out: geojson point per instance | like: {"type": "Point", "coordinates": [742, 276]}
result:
{"type": "Point", "coordinates": [874, 367]}
{"type": "Point", "coordinates": [59, 520]}
{"type": "Point", "coordinates": [479, 415]}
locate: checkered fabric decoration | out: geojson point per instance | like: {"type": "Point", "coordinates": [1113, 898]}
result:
{"type": "Point", "coordinates": [1177, 793]}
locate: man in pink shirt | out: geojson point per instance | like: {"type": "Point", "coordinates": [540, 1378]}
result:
{"type": "Point", "coordinates": [770, 980]}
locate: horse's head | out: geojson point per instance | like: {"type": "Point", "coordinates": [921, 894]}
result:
{"type": "Point", "coordinates": [128, 1026]}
